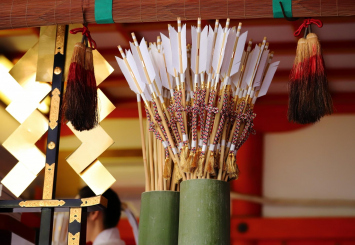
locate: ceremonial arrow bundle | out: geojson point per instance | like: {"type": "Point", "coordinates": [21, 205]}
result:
{"type": "Point", "coordinates": [198, 99]}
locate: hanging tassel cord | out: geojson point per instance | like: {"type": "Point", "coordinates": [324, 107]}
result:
{"type": "Point", "coordinates": [85, 32]}
{"type": "Point", "coordinates": [306, 23]}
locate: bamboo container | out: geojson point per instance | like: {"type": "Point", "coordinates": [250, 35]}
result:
{"type": "Point", "coordinates": [159, 218]}
{"type": "Point", "coordinates": [204, 212]}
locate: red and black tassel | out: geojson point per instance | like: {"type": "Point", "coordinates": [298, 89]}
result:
{"type": "Point", "coordinates": [80, 99]}
{"type": "Point", "coordinates": [309, 98]}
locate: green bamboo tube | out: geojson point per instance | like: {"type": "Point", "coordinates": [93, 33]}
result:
{"type": "Point", "coordinates": [159, 218]}
{"type": "Point", "coordinates": [204, 212]}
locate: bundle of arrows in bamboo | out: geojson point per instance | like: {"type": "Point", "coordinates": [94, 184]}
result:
{"type": "Point", "coordinates": [198, 98]}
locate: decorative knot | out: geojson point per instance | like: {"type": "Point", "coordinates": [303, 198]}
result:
{"type": "Point", "coordinates": [306, 23]}
{"type": "Point", "coordinates": [85, 32]}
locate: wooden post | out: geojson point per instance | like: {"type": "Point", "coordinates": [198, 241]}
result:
{"type": "Point", "coordinates": [250, 162]}
{"type": "Point", "coordinates": [50, 174]}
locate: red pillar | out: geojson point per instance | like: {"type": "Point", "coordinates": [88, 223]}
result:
{"type": "Point", "coordinates": [250, 162]}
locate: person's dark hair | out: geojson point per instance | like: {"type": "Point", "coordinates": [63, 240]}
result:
{"type": "Point", "coordinates": [112, 213]}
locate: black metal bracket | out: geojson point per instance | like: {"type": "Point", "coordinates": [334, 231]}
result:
{"type": "Point", "coordinates": [284, 14]}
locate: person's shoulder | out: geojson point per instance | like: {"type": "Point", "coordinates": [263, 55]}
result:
{"type": "Point", "coordinates": [113, 242]}
{"type": "Point", "coordinates": [109, 237]}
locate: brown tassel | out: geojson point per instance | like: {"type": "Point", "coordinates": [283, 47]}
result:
{"type": "Point", "coordinates": [178, 176]}
{"type": "Point", "coordinates": [216, 159]}
{"type": "Point", "coordinates": [210, 164]}
{"type": "Point", "coordinates": [195, 161]}
{"type": "Point", "coordinates": [234, 176]}
{"type": "Point", "coordinates": [192, 161]}
{"type": "Point", "coordinates": [183, 159]}
{"type": "Point", "coordinates": [231, 164]}
{"type": "Point", "coordinates": [73, 98]}
{"type": "Point", "coordinates": [80, 99]}
{"type": "Point", "coordinates": [167, 169]}
{"type": "Point", "coordinates": [200, 166]}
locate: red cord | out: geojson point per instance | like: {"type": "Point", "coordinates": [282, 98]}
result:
{"type": "Point", "coordinates": [85, 32]}
{"type": "Point", "coordinates": [306, 23]}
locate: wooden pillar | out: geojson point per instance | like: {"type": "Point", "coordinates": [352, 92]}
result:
{"type": "Point", "coordinates": [250, 162]}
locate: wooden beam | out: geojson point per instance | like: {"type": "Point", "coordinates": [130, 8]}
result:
{"type": "Point", "coordinates": [43, 12]}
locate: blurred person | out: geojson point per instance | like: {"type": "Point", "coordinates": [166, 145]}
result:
{"type": "Point", "coordinates": [102, 225]}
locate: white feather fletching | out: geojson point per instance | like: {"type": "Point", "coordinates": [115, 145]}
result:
{"type": "Point", "coordinates": [217, 48]}
{"type": "Point", "coordinates": [147, 94]}
{"type": "Point", "coordinates": [203, 50]}
{"type": "Point", "coordinates": [126, 74]}
{"type": "Point", "coordinates": [261, 68]}
{"type": "Point", "coordinates": [239, 53]}
{"type": "Point", "coordinates": [138, 62]}
{"type": "Point", "coordinates": [193, 48]}
{"type": "Point", "coordinates": [183, 48]}
{"type": "Point", "coordinates": [156, 68]}
{"type": "Point", "coordinates": [249, 71]}
{"type": "Point", "coordinates": [221, 48]}
{"type": "Point", "coordinates": [174, 42]}
{"type": "Point", "coordinates": [159, 60]}
{"type": "Point", "coordinates": [235, 78]}
{"type": "Point", "coordinates": [268, 78]}
{"type": "Point", "coordinates": [167, 53]}
{"type": "Point", "coordinates": [133, 64]}
{"type": "Point", "coordinates": [147, 60]}
{"type": "Point", "coordinates": [209, 49]}
{"type": "Point", "coordinates": [228, 51]}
